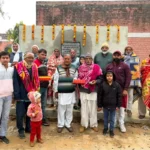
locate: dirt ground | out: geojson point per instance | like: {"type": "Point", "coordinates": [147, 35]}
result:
{"type": "Point", "coordinates": [136, 138]}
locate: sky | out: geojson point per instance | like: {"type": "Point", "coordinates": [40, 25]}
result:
{"type": "Point", "coordinates": [22, 10]}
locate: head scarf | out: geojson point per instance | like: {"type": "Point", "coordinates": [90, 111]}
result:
{"type": "Point", "coordinates": [16, 56]}
{"type": "Point", "coordinates": [53, 62]}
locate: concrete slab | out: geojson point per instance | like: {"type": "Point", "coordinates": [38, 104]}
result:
{"type": "Point", "coordinates": [52, 113]}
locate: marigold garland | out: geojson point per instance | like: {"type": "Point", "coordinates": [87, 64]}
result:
{"type": "Point", "coordinates": [118, 34]}
{"type": "Point", "coordinates": [42, 34]}
{"type": "Point", "coordinates": [33, 28]}
{"type": "Point", "coordinates": [108, 32]}
{"type": "Point", "coordinates": [53, 32]}
{"type": "Point", "coordinates": [24, 33]}
{"type": "Point", "coordinates": [97, 34]}
{"type": "Point", "coordinates": [62, 34]}
{"type": "Point", "coordinates": [74, 33]}
{"type": "Point", "coordinates": [84, 36]}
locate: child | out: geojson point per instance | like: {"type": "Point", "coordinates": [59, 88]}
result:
{"type": "Point", "coordinates": [35, 113]}
{"type": "Point", "coordinates": [6, 91]}
{"type": "Point", "coordinates": [109, 97]}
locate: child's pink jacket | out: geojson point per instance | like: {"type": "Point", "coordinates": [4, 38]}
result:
{"type": "Point", "coordinates": [34, 107]}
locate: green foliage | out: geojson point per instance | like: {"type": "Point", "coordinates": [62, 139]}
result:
{"type": "Point", "coordinates": [13, 34]}
{"type": "Point", "coordinates": [1, 8]}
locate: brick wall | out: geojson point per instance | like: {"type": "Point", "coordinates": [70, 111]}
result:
{"type": "Point", "coordinates": [135, 15]}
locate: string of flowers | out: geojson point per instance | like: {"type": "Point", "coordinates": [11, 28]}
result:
{"type": "Point", "coordinates": [42, 34]}
{"type": "Point", "coordinates": [24, 33]}
{"type": "Point", "coordinates": [84, 36]}
{"type": "Point", "coordinates": [53, 32]}
{"type": "Point", "coordinates": [33, 28]}
{"type": "Point", "coordinates": [108, 32]}
{"type": "Point", "coordinates": [118, 34]}
{"type": "Point", "coordinates": [62, 34]}
{"type": "Point", "coordinates": [97, 34]}
{"type": "Point", "coordinates": [74, 33]}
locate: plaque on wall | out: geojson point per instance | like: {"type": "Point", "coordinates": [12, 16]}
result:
{"type": "Point", "coordinates": [67, 46]}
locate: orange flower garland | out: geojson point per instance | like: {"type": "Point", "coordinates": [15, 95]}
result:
{"type": "Point", "coordinates": [97, 34]}
{"type": "Point", "coordinates": [24, 33]}
{"type": "Point", "coordinates": [84, 35]}
{"type": "Point", "coordinates": [108, 32]}
{"type": "Point", "coordinates": [33, 28]}
{"type": "Point", "coordinates": [53, 32]}
{"type": "Point", "coordinates": [118, 34]}
{"type": "Point", "coordinates": [74, 33]}
{"type": "Point", "coordinates": [42, 34]}
{"type": "Point", "coordinates": [62, 34]}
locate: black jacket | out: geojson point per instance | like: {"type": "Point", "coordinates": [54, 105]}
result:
{"type": "Point", "coordinates": [20, 93]}
{"type": "Point", "coordinates": [109, 96]}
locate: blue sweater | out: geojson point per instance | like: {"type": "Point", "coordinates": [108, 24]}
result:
{"type": "Point", "coordinates": [20, 93]}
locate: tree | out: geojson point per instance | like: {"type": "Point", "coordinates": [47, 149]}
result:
{"type": "Point", "coordinates": [1, 8]}
{"type": "Point", "coordinates": [13, 34]}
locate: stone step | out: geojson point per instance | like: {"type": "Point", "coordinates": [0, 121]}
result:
{"type": "Point", "coordinates": [52, 113]}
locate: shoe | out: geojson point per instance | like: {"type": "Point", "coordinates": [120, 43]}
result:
{"type": "Point", "coordinates": [40, 141]}
{"type": "Point", "coordinates": [82, 129]}
{"type": "Point", "coordinates": [122, 128]}
{"type": "Point", "coordinates": [59, 130]}
{"type": "Point", "coordinates": [70, 129]}
{"type": "Point", "coordinates": [51, 105]}
{"type": "Point", "coordinates": [45, 123]}
{"type": "Point", "coordinates": [105, 131]}
{"type": "Point", "coordinates": [22, 135]}
{"type": "Point", "coordinates": [111, 133]}
{"type": "Point", "coordinates": [141, 117]}
{"type": "Point", "coordinates": [129, 113]}
{"type": "Point", "coordinates": [32, 144]}
{"type": "Point", "coordinates": [27, 131]}
{"type": "Point", "coordinates": [4, 139]}
{"type": "Point", "coordinates": [95, 129]}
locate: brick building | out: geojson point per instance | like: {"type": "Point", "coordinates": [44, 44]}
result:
{"type": "Point", "coordinates": [135, 14]}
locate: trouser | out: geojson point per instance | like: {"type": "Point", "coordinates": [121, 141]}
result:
{"type": "Point", "coordinates": [43, 92]}
{"type": "Point", "coordinates": [35, 130]}
{"type": "Point", "coordinates": [109, 116]}
{"type": "Point", "coordinates": [130, 98]}
{"type": "Point", "coordinates": [120, 116]}
{"type": "Point", "coordinates": [5, 105]}
{"type": "Point", "coordinates": [141, 107]}
{"type": "Point", "coordinates": [88, 112]}
{"type": "Point", "coordinates": [21, 113]}
{"type": "Point", "coordinates": [65, 115]}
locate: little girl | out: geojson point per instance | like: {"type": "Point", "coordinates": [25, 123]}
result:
{"type": "Point", "coordinates": [35, 114]}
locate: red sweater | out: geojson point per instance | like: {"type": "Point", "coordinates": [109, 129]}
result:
{"type": "Point", "coordinates": [38, 62]}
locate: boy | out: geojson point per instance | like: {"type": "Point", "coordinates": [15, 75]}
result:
{"type": "Point", "coordinates": [109, 97]}
{"type": "Point", "coordinates": [6, 90]}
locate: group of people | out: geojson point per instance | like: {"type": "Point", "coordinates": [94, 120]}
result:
{"type": "Point", "coordinates": [110, 83]}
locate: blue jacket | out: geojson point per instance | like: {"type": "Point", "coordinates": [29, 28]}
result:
{"type": "Point", "coordinates": [12, 57]}
{"type": "Point", "coordinates": [20, 93]}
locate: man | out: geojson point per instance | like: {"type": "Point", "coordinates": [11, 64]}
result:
{"type": "Point", "coordinates": [35, 49]}
{"type": "Point", "coordinates": [144, 101]}
{"type": "Point", "coordinates": [65, 92]}
{"type": "Point", "coordinates": [74, 58]}
{"type": "Point", "coordinates": [43, 71]}
{"type": "Point", "coordinates": [131, 59]}
{"type": "Point", "coordinates": [123, 77]}
{"type": "Point", "coordinates": [54, 60]}
{"type": "Point", "coordinates": [25, 79]}
{"type": "Point", "coordinates": [16, 55]}
{"type": "Point", "coordinates": [6, 91]}
{"type": "Point", "coordinates": [103, 58]}
{"type": "Point", "coordinates": [90, 73]}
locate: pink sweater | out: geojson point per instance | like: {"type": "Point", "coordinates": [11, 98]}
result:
{"type": "Point", "coordinates": [32, 109]}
